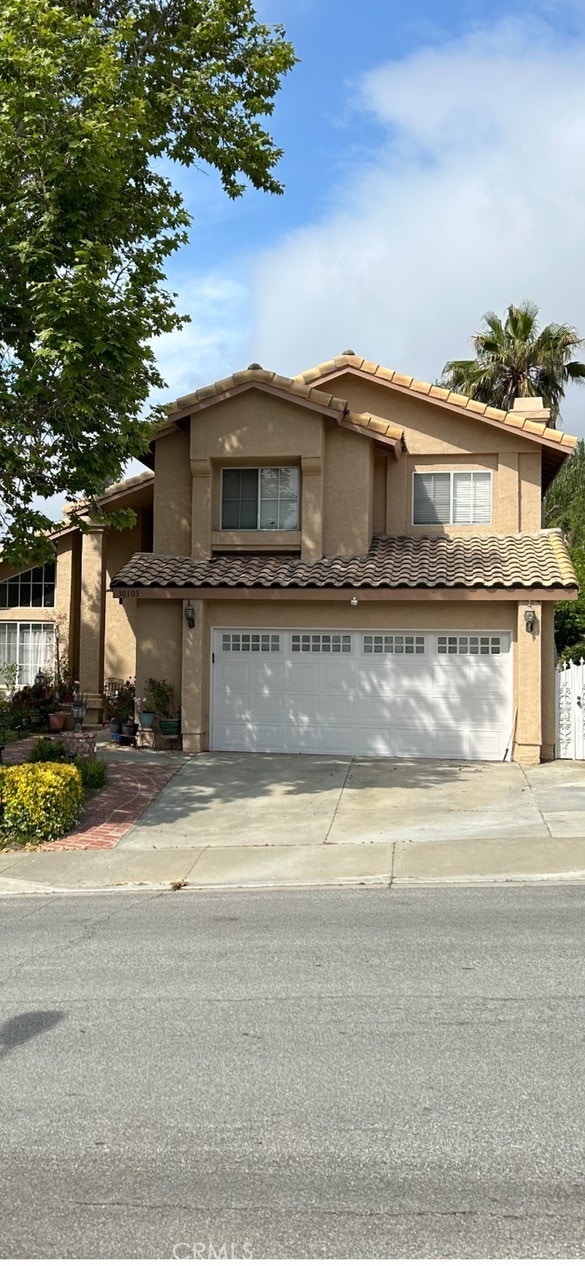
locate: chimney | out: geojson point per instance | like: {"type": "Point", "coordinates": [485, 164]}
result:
{"type": "Point", "coordinates": [531, 407]}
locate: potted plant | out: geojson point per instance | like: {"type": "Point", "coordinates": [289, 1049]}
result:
{"type": "Point", "coordinates": [162, 698]}
{"type": "Point", "coordinates": [147, 710]}
{"type": "Point", "coordinates": [57, 721]}
{"type": "Point", "coordinates": [37, 702]}
{"type": "Point", "coordinates": [119, 711]}
{"type": "Point", "coordinates": [65, 691]}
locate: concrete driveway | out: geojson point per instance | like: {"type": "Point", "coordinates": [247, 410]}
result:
{"type": "Point", "coordinates": [234, 800]}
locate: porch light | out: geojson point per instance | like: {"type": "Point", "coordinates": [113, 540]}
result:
{"type": "Point", "coordinates": [529, 618]}
{"type": "Point", "coordinates": [40, 679]}
{"type": "Point", "coordinates": [190, 615]}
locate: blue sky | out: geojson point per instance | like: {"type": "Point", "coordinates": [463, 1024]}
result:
{"type": "Point", "coordinates": [434, 167]}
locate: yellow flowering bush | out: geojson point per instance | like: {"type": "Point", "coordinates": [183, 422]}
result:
{"type": "Point", "coordinates": [40, 802]}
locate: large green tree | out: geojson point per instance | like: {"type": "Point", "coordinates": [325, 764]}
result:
{"type": "Point", "coordinates": [96, 96]}
{"type": "Point", "coordinates": [515, 357]}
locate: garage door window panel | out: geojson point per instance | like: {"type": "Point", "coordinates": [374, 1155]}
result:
{"type": "Point", "coordinates": [469, 644]}
{"type": "Point", "coordinates": [244, 642]}
{"type": "Point", "coordinates": [393, 644]}
{"type": "Point", "coordinates": [321, 643]}
{"type": "Point", "coordinates": [452, 497]}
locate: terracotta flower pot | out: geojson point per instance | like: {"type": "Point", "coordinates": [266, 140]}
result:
{"type": "Point", "coordinates": [57, 721]}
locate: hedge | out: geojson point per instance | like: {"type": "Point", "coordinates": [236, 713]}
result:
{"type": "Point", "coordinates": [40, 802]}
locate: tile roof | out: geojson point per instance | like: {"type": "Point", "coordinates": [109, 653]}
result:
{"type": "Point", "coordinates": [523, 561]}
{"type": "Point", "coordinates": [439, 394]}
{"type": "Point", "coordinates": [379, 428]}
{"type": "Point", "coordinates": [114, 490]}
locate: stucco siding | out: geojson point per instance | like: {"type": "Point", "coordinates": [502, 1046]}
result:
{"type": "Point", "coordinates": [172, 496]}
{"type": "Point", "coordinates": [120, 630]}
{"type": "Point", "coordinates": [348, 493]}
{"type": "Point", "coordinates": [159, 642]}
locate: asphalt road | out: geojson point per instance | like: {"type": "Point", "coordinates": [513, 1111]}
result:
{"type": "Point", "coordinates": [350, 1073]}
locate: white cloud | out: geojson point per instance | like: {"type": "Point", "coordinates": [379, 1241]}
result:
{"type": "Point", "coordinates": [475, 200]}
{"type": "Point", "coordinates": [213, 343]}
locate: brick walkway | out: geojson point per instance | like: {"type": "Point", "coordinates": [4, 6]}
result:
{"type": "Point", "coordinates": [111, 812]}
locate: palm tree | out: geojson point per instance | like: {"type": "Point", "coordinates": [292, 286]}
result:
{"type": "Point", "coordinates": [515, 358]}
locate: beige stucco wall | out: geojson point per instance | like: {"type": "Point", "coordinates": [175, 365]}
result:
{"type": "Point", "coordinates": [349, 488]}
{"type": "Point", "coordinates": [172, 495]}
{"type": "Point", "coordinates": [348, 500]}
{"type": "Point", "coordinates": [120, 627]}
{"type": "Point", "coordinates": [159, 642]}
{"type": "Point", "coordinates": [547, 634]}
{"type": "Point", "coordinates": [440, 440]}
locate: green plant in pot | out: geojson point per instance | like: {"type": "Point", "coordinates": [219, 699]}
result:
{"type": "Point", "coordinates": [119, 709]}
{"type": "Point", "coordinates": [148, 703]}
{"type": "Point", "coordinates": [161, 695]}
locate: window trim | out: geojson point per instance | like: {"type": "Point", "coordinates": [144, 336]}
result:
{"type": "Point", "coordinates": [454, 470]}
{"type": "Point", "coordinates": [258, 528]}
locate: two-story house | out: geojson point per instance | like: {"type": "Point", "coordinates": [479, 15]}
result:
{"type": "Point", "coordinates": [350, 561]}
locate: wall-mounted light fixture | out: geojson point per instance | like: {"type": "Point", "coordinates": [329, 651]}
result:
{"type": "Point", "coordinates": [354, 601]}
{"type": "Point", "coordinates": [190, 615]}
{"type": "Point", "coordinates": [529, 618]}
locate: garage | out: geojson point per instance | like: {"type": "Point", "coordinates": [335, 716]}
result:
{"type": "Point", "coordinates": [441, 695]}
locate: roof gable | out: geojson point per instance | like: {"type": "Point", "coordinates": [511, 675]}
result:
{"type": "Point", "coordinates": [509, 420]}
{"type": "Point", "coordinates": [380, 430]}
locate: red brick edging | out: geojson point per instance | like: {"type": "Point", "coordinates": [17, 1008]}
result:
{"type": "Point", "coordinates": [111, 812]}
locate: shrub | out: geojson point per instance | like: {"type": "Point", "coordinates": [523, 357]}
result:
{"type": "Point", "coordinates": [45, 750]}
{"type": "Point", "coordinates": [41, 802]}
{"type": "Point", "coordinates": [160, 698]}
{"type": "Point", "coordinates": [94, 772]}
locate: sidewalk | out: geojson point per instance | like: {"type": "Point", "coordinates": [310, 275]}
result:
{"type": "Point", "coordinates": [460, 861]}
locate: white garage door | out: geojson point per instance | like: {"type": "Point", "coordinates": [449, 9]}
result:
{"type": "Point", "coordinates": [366, 693]}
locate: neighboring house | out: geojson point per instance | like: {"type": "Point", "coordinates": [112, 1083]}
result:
{"type": "Point", "coordinates": [343, 562]}
{"type": "Point", "coordinates": [62, 608]}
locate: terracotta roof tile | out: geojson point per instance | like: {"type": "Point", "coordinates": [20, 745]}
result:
{"type": "Point", "coordinates": [380, 428]}
{"type": "Point", "coordinates": [512, 418]}
{"type": "Point", "coordinates": [524, 561]}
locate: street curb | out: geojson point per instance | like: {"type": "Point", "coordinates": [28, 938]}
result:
{"type": "Point", "coordinates": [565, 878]}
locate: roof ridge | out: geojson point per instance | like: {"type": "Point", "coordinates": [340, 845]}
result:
{"type": "Point", "coordinates": [268, 377]}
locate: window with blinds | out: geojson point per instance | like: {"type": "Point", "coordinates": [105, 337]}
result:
{"type": "Point", "coordinates": [453, 497]}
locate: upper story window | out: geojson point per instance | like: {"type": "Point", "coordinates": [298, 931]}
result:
{"type": "Point", "coordinates": [263, 498]}
{"type": "Point", "coordinates": [34, 588]}
{"type": "Point", "coordinates": [453, 497]}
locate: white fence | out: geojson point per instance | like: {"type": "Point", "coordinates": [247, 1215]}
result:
{"type": "Point", "coordinates": [571, 711]}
